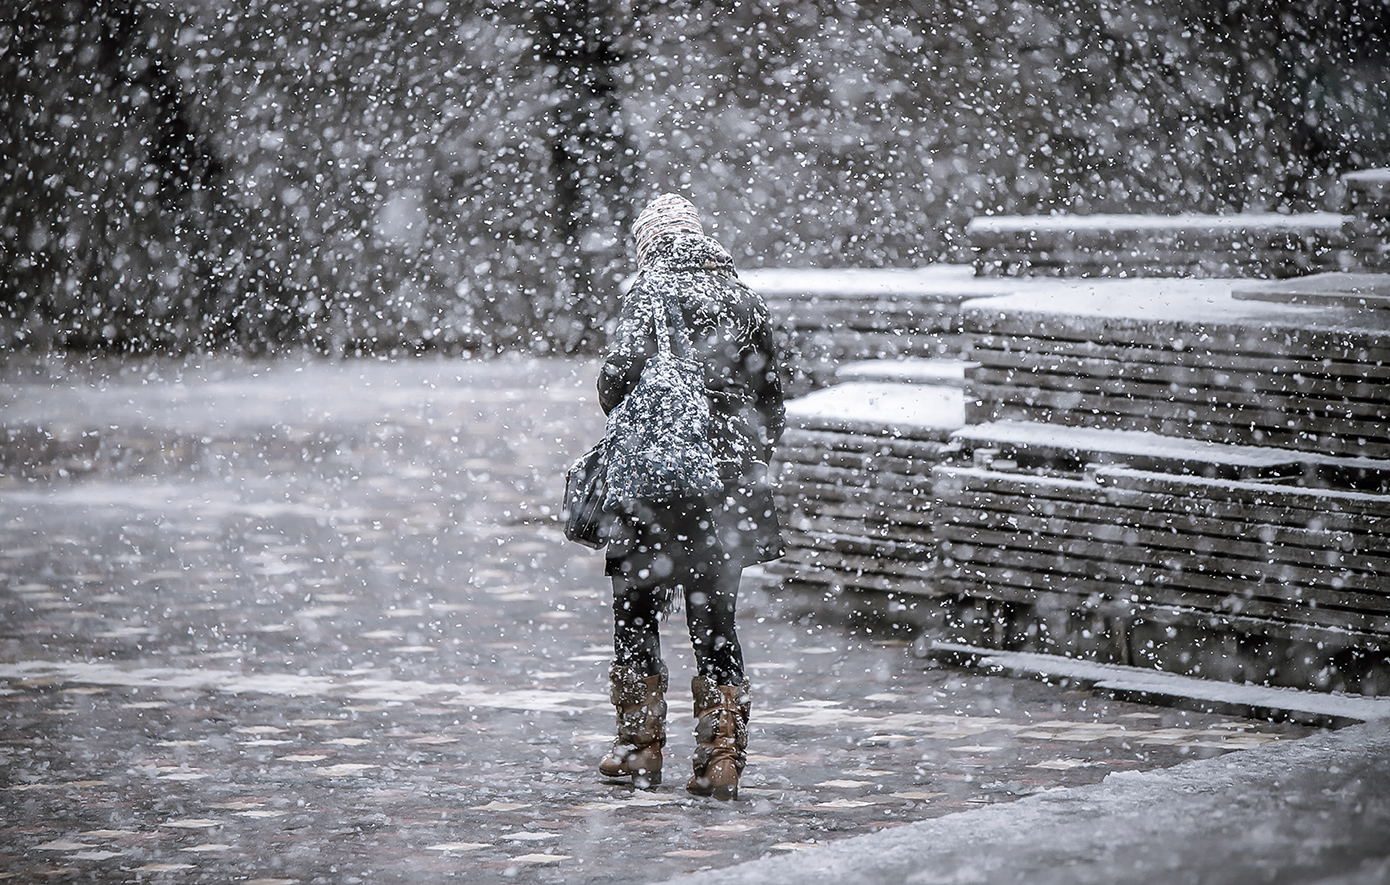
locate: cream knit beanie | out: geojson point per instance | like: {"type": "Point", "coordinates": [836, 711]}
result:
{"type": "Point", "coordinates": [667, 214]}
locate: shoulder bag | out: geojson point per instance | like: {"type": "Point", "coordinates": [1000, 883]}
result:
{"type": "Point", "coordinates": [658, 446]}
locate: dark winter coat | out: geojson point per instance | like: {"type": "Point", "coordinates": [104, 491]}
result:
{"type": "Point", "coordinates": [731, 336]}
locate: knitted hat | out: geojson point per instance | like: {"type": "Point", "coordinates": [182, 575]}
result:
{"type": "Point", "coordinates": [667, 214]}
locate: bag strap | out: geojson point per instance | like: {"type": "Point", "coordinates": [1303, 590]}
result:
{"type": "Point", "coordinates": [663, 333]}
{"type": "Point", "coordinates": [671, 334]}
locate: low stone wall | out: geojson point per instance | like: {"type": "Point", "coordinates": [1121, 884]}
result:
{"type": "Point", "coordinates": [1150, 472]}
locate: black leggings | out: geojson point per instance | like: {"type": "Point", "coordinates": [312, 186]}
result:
{"type": "Point", "coordinates": [710, 599]}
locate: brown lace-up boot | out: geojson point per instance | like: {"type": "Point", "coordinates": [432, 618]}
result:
{"type": "Point", "coordinates": [641, 705]}
{"type": "Point", "coordinates": [721, 737]}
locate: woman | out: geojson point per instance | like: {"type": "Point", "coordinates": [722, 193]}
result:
{"type": "Point", "coordinates": [694, 549]}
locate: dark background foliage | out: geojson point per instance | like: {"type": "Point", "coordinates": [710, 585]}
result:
{"type": "Point", "coordinates": [368, 175]}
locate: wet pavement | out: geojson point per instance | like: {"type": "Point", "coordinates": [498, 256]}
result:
{"type": "Point", "coordinates": [306, 622]}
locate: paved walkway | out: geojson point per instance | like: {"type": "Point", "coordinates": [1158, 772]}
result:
{"type": "Point", "coordinates": [301, 622]}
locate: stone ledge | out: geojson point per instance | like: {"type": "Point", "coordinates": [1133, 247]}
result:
{"type": "Point", "coordinates": [1327, 223]}
{"type": "Point", "coordinates": [1189, 245]}
{"type": "Point", "coordinates": [1248, 701]}
{"type": "Point", "coordinates": [1370, 290]}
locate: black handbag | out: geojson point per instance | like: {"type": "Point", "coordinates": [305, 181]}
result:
{"type": "Point", "coordinates": [586, 486]}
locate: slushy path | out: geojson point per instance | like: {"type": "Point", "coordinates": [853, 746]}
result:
{"type": "Point", "coordinates": [305, 622]}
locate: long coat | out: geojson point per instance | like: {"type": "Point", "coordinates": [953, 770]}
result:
{"type": "Point", "coordinates": [731, 336]}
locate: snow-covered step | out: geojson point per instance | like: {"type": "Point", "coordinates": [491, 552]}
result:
{"type": "Point", "coordinates": [831, 316]}
{"type": "Point", "coordinates": [1078, 449]}
{"type": "Point", "coordinates": [915, 411]}
{"type": "Point", "coordinates": [1252, 580]}
{"type": "Point", "coordinates": [1192, 245]}
{"type": "Point", "coordinates": [936, 372]}
{"type": "Point", "coordinates": [1183, 358]}
{"type": "Point", "coordinates": [854, 478]}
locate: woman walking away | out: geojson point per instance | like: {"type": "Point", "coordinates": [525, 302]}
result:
{"type": "Point", "coordinates": [693, 547]}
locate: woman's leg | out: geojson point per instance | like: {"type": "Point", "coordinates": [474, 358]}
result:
{"type": "Point", "coordinates": [710, 603]}
{"type": "Point", "coordinates": [637, 687]}
{"type": "Point", "coordinates": [636, 636]}
{"type": "Point", "coordinates": [721, 692]}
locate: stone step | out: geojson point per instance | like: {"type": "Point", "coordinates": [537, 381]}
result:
{"type": "Point", "coordinates": [1183, 358]}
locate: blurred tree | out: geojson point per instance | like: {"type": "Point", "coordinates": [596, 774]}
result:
{"type": "Point", "coordinates": [372, 176]}
{"type": "Point", "coordinates": [119, 230]}
{"type": "Point", "coordinates": [590, 157]}
{"type": "Point", "coordinates": [1335, 59]}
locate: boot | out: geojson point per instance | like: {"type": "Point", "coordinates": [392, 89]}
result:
{"type": "Point", "coordinates": [721, 737]}
{"type": "Point", "coordinates": [641, 705]}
